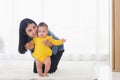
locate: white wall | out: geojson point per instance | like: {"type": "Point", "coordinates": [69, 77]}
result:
{"type": "Point", "coordinates": [6, 24]}
{"type": "Point", "coordinates": [84, 23]}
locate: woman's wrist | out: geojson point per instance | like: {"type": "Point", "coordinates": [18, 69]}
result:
{"type": "Point", "coordinates": [47, 43]}
{"type": "Point", "coordinates": [29, 46]}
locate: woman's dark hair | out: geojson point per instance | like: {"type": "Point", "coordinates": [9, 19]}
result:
{"type": "Point", "coordinates": [23, 37]}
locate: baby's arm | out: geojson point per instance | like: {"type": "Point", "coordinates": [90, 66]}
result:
{"type": "Point", "coordinates": [57, 42]}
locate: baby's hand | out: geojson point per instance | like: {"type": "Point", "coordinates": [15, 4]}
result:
{"type": "Point", "coordinates": [63, 40]}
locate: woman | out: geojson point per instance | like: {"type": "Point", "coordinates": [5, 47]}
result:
{"type": "Point", "coordinates": [27, 31]}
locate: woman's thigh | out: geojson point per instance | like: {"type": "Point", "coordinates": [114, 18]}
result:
{"type": "Point", "coordinates": [55, 60]}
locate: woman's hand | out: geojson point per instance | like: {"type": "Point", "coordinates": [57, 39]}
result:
{"type": "Point", "coordinates": [47, 43]}
{"type": "Point", "coordinates": [29, 46]}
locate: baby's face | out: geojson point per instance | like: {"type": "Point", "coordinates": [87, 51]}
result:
{"type": "Point", "coordinates": [42, 31]}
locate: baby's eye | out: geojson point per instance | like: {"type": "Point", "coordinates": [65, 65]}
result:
{"type": "Point", "coordinates": [39, 31]}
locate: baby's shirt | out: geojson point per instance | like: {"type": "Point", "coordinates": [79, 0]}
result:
{"type": "Point", "coordinates": [40, 49]}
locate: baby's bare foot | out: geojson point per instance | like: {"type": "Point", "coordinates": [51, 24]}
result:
{"type": "Point", "coordinates": [41, 75]}
{"type": "Point", "coordinates": [45, 74]}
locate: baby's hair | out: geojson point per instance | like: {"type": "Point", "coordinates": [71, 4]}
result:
{"type": "Point", "coordinates": [42, 24]}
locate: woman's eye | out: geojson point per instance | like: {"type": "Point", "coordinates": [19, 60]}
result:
{"type": "Point", "coordinates": [34, 26]}
{"type": "Point", "coordinates": [30, 30]}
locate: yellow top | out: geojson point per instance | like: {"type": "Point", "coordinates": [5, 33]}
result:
{"type": "Point", "coordinates": [40, 49]}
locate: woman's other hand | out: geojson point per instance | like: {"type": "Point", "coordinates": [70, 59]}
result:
{"type": "Point", "coordinates": [29, 46]}
{"type": "Point", "coordinates": [47, 43]}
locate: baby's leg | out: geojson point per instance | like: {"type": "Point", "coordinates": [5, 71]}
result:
{"type": "Point", "coordinates": [47, 63]}
{"type": "Point", "coordinates": [39, 67]}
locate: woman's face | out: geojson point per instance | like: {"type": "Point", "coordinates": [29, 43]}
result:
{"type": "Point", "coordinates": [31, 30]}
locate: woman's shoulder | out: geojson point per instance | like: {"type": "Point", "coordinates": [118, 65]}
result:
{"type": "Point", "coordinates": [48, 37]}
{"type": "Point", "coordinates": [49, 33]}
{"type": "Point", "coordinates": [52, 34]}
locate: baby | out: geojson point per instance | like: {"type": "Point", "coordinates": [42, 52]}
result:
{"type": "Point", "coordinates": [41, 52]}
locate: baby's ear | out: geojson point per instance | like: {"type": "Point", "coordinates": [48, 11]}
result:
{"type": "Point", "coordinates": [47, 32]}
